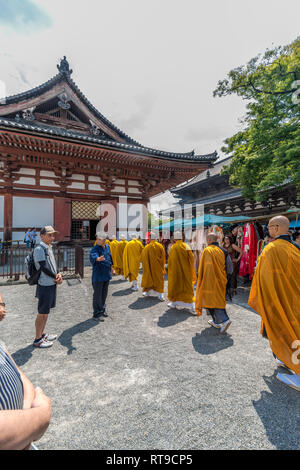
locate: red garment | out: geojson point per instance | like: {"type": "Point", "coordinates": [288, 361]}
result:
{"type": "Point", "coordinates": [252, 251]}
{"type": "Point", "coordinates": [249, 257]}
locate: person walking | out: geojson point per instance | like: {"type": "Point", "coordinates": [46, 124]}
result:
{"type": "Point", "coordinates": [101, 261]}
{"type": "Point", "coordinates": [153, 262]}
{"type": "Point", "coordinates": [132, 260]}
{"type": "Point", "coordinates": [181, 275]}
{"type": "Point", "coordinates": [47, 285]}
{"type": "Point", "coordinates": [215, 265]}
{"type": "Point", "coordinates": [275, 296]}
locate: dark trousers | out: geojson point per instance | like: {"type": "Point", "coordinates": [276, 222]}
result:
{"type": "Point", "coordinates": [219, 315]}
{"type": "Point", "coordinates": [99, 297]}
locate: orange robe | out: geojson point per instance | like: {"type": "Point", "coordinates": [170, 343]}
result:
{"type": "Point", "coordinates": [153, 260]}
{"type": "Point", "coordinates": [181, 273]}
{"type": "Point", "coordinates": [212, 280]}
{"type": "Point", "coordinates": [113, 251]}
{"type": "Point", "coordinates": [275, 296]}
{"type": "Point", "coordinates": [132, 259]}
{"type": "Point", "coordinates": [119, 257]}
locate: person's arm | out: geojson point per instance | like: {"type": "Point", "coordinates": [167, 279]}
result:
{"type": "Point", "coordinates": [18, 428]}
{"type": "Point", "coordinates": [229, 266]}
{"type": "Point", "coordinates": [46, 270]}
{"type": "Point", "coordinates": [2, 309]}
{"type": "Point", "coordinates": [28, 388]}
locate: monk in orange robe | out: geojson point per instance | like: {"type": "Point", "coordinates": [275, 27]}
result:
{"type": "Point", "coordinates": [181, 275]}
{"type": "Point", "coordinates": [153, 262]}
{"type": "Point", "coordinates": [132, 261]}
{"type": "Point", "coordinates": [211, 286]}
{"type": "Point", "coordinates": [113, 251]}
{"type": "Point", "coordinates": [119, 255]}
{"type": "Point", "coordinates": [275, 296]}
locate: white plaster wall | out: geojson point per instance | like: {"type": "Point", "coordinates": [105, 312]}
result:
{"type": "Point", "coordinates": [32, 212]}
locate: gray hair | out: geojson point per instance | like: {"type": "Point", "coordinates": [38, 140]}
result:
{"type": "Point", "coordinates": [101, 235]}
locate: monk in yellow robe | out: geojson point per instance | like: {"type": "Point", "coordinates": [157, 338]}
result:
{"type": "Point", "coordinates": [132, 261]}
{"type": "Point", "coordinates": [119, 255]}
{"type": "Point", "coordinates": [275, 296]}
{"type": "Point", "coordinates": [153, 262]}
{"type": "Point", "coordinates": [113, 251]}
{"type": "Point", "coordinates": [181, 275]}
{"type": "Point", "coordinates": [212, 280]}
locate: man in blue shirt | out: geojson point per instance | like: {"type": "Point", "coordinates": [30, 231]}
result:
{"type": "Point", "coordinates": [101, 261]}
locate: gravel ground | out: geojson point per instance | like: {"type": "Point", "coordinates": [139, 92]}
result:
{"type": "Point", "coordinates": [150, 377]}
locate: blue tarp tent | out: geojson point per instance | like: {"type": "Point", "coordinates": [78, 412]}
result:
{"type": "Point", "coordinates": [206, 220]}
{"type": "Point", "coordinates": [295, 223]}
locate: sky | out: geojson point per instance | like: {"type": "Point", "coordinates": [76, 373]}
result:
{"type": "Point", "coordinates": [149, 66]}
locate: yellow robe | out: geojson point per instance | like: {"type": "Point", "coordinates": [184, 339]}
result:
{"type": "Point", "coordinates": [275, 296]}
{"type": "Point", "coordinates": [119, 256]}
{"type": "Point", "coordinates": [132, 259]}
{"type": "Point", "coordinates": [212, 280]}
{"type": "Point", "coordinates": [181, 273]}
{"type": "Point", "coordinates": [113, 251]}
{"type": "Point", "coordinates": [153, 261]}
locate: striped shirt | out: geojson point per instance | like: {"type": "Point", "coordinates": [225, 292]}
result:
{"type": "Point", "coordinates": [11, 386]}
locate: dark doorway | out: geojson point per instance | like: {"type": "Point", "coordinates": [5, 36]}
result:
{"type": "Point", "coordinates": [93, 227]}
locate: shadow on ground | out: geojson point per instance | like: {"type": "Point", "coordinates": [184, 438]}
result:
{"type": "Point", "coordinates": [118, 281]}
{"type": "Point", "coordinates": [210, 341]}
{"type": "Point", "coordinates": [144, 302]}
{"type": "Point", "coordinates": [66, 338]}
{"type": "Point", "coordinates": [120, 293]}
{"type": "Point", "coordinates": [172, 317]}
{"type": "Point", "coordinates": [279, 411]}
{"type": "Point", "coordinates": [23, 355]}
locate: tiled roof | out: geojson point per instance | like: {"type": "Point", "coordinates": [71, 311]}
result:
{"type": "Point", "coordinates": [213, 172]}
{"type": "Point", "coordinates": [54, 81]}
{"type": "Point", "coordinates": [68, 134]}
{"type": "Point", "coordinates": [130, 145]}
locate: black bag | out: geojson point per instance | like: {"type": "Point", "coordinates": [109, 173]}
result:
{"type": "Point", "coordinates": [32, 274]}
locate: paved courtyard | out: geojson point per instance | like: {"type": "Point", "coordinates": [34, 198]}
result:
{"type": "Point", "coordinates": [149, 377]}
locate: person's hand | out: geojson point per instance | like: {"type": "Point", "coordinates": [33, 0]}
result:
{"type": "Point", "coordinates": [101, 258]}
{"type": "Point", "coordinates": [2, 312]}
{"type": "Point", "coordinates": [58, 278]}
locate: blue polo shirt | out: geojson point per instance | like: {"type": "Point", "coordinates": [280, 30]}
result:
{"type": "Point", "coordinates": [101, 269]}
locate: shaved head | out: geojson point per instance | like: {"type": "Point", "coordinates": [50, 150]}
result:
{"type": "Point", "coordinates": [278, 225]}
{"type": "Point", "coordinates": [211, 238]}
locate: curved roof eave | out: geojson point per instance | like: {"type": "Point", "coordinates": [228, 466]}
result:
{"type": "Point", "coordinates": [53, 131]}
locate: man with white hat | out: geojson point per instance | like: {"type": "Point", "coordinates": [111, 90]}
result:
{"type": "Point", "coordinates": [47, 285]}
{"type": "Point", "coordinates": [101, 260]}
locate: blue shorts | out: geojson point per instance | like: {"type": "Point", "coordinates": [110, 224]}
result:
{"type": "Point", "coordinates": [47, 298]}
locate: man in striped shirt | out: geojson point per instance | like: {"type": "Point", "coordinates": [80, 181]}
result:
{"type": "Point", "coordinates": [24, 411]}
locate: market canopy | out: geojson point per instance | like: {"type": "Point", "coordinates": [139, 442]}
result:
{"type": "Point", "coordinates": [295, 223]}
{"type": "Point", "coordinates": [204, 220]}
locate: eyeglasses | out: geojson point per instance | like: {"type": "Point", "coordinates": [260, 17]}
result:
{"type": "Point", "coordinates": [275, 225]}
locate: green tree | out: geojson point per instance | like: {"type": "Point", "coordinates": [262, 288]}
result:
{"type": "Point", "coordinates": [266, 153]}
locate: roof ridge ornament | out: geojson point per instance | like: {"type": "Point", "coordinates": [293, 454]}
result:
{"type": "Point", "coordinates": [64, 67]}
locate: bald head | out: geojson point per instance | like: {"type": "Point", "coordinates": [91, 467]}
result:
{"type": "Point", "coordinates": [211, 238]}
{"type": "Point", "coordinates": [278, 225]}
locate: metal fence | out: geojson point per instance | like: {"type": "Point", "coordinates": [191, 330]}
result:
{"type": "Point", "coordinates": [69, 259]}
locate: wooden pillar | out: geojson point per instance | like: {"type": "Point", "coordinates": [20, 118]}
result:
{"type": "Point", "coordinates": [8, 216]}
{"type": "Point", "coordinates": [62, 217]}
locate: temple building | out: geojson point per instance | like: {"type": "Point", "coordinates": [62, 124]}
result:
{"type": "Point", "coordinates": [61, 160]}
{"type": "Point", "coordinates": [212, 190]}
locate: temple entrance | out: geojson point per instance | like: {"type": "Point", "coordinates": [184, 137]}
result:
{"type": "Point", "coordinates": [85, 217]}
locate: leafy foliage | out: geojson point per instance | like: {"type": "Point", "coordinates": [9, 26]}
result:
{"type": "Point", "coordinates": [266, 153]}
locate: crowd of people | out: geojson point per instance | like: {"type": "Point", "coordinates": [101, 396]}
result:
{"type": "Point", "coordinates": [274, 295]}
